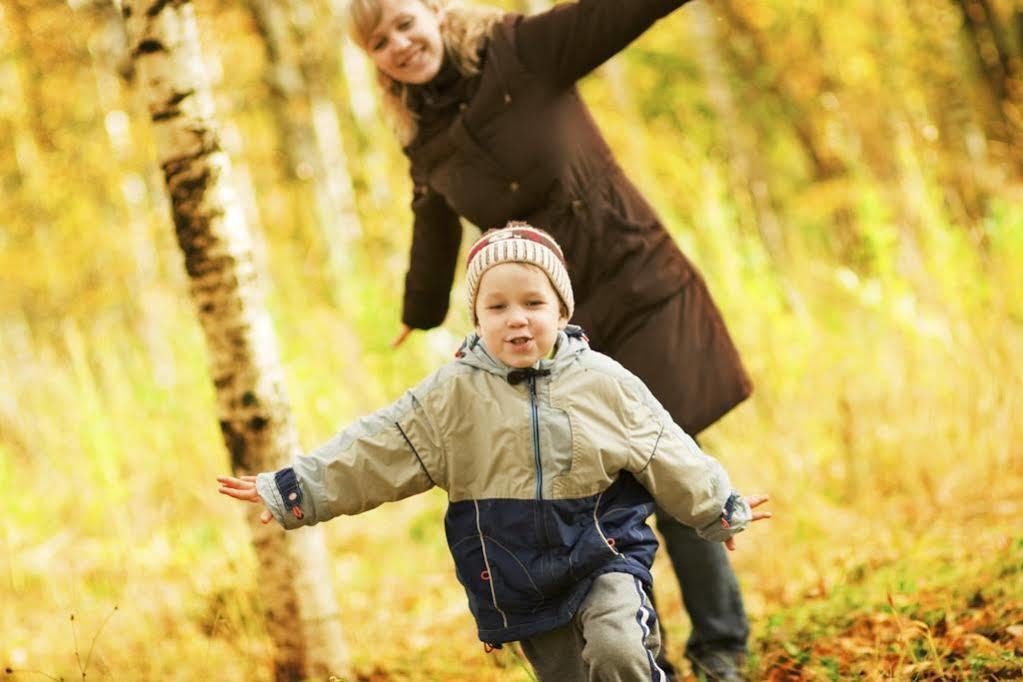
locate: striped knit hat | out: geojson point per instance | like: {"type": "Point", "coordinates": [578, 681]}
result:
{"type": "Point", "coordinates": [518, 242]}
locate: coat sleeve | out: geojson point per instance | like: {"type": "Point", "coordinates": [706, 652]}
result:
{"type": "Point", "coordinates": [436, 236]}
{"type": "Point", "coordinates": [389, 455]}
{"type": "Point", "coordinates": [689, 484]}
{"type": "Point", "coordinates": [568, 41]}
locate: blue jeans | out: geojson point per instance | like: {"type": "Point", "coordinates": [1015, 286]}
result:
{"type": "Point", "coordinates": [710, 590]}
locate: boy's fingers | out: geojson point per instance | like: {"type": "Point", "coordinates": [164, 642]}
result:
{"type": "Point", "coordinates": [730, 544]}
{"type": "Point", "coordinates": [250, 479]}
{"type": "Point", "coordinates": [265, 516]}
{"type": "Point", "coordinates": [762, 515]}
{"type": "Point", "coordinates": [240, 483]}
{"type": "Point", "coordinates": [756, 500]}
{"type": "Point", "coordinates": [248, 495]}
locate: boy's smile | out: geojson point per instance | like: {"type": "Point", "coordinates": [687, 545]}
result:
{"type": "Point", "coordinates": [518, 313]}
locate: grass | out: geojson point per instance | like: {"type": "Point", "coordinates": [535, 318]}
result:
{"type": "Point", "coordinates": [953, 617]}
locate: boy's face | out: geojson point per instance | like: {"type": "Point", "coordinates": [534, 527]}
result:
{"type": "Point", "coordinates": [518, 313]}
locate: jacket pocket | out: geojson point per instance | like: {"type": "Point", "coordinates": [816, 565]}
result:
{"type": "Point", "coordinates": [516, 589]}
{"type": "Point", "coordinates": [472, 571]}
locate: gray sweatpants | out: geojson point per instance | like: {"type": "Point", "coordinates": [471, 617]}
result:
{"type": "Point", "coordinates": [613, 637]}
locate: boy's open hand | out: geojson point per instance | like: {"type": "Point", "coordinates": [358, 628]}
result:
{"type": "Point", "coordinates": [244, 488]}
{"type": "Point", "coordinates": [753, 501]}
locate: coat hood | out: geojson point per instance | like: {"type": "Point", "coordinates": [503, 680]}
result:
{"type": "Point", "coordinates": [571, 342]}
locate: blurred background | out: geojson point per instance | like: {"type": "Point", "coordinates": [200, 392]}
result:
{"type": "Point", "coordinates": [847, 175]}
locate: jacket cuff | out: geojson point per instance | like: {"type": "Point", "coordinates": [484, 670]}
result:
{"type": "Point", "coordinates": [282, 495]}
{"type": "Point", "coordinates": [735, 517]}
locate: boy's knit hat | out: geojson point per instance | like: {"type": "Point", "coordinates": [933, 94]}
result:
{"type": "Point", "coordinates": [518, 242]}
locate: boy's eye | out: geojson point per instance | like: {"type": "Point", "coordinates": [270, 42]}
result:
{"type": "Point", "coordinates": [406, 24]}
{"type": "Point", "coordinates": [378, 44]}
{"type": "Point", "coordinates": [495, 306]}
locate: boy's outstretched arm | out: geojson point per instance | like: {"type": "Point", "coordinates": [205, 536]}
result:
{"type": "Point", "coordinates": [385, 456]}
{"type": "Point", "coordinates": [244, 488]}
{"type": "Point", "coordinates": [686, 482]}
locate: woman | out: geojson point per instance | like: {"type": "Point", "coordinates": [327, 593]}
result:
{"type": "Point", "coordinates": [486, 108]}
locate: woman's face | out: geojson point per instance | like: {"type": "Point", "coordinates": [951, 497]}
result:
{"type": "Point", "coordinates": [406, 43]}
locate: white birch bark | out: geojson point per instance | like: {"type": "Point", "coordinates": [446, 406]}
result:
{"type": "Point", "coordinates": [233, 145]}
{"type": "Point", "coordinates": [295, 578]}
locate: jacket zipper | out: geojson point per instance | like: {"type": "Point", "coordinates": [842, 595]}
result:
{"type": "Point", "coordinates": [536, 438]}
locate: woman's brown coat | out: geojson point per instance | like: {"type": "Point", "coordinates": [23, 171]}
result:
{"type": "Point", "coordinates": [517, 143]}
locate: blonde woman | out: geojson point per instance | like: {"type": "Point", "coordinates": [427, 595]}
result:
{"type": "Point", "coordinates": [485, 107]}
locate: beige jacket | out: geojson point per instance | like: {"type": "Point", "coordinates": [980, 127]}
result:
{"type": "Point", "coordinates": [541, 475]}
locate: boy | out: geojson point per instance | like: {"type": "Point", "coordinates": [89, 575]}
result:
{"type": "Point", "coordinates": [551, 454]}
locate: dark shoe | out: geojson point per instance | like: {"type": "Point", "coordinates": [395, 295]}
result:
{"type": "Point", "coordinates": [718, 666]}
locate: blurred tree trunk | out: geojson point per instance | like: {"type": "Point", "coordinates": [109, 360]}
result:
{"type": "Point", "coordinates": [111, 67]}
{"type": "Point", "coordinates": [746, 166]}
{"type": "Point", "coordinates": [958, 128]}
{"type": "Point", "coordinates": [299, 81]}
{"type": "Point", "coordinates": [361, 91]}
{"type": "Point", "coordinates": [295, 578]}
{"type": "Point", "coordinates": [1002, 72]}
{"type": "Point", "coordinates": [777, 84]}
{"type": "Point", "coordinates": [23, 114]}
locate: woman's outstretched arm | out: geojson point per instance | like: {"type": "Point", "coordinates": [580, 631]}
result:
{"type": "Point", "coordinates": [568, 41]}
{"type": "Point", "coordinates": [436, 236]}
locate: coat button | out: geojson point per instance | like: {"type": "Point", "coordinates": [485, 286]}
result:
{"type": "Point", "coordinates": [577, 206]}
{"type": "Point", "coordinates": [513, 186]}
{"type": "Point", "coordinates": [462, 106]}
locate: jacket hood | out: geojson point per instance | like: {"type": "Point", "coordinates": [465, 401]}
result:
{"type": "Point", "coordinates": [571, 342]}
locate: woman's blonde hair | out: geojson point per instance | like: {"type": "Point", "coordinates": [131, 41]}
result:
{"type": "Point", "coordinates": [462, 27]}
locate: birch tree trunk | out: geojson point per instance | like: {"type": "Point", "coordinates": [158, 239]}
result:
{"type": "Point", "coordinates": [308, 121]}
{"type": "Point", "coordinates": [295, 578]}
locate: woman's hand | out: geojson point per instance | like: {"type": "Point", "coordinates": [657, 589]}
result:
{"type": "Point", "coordinates": [402, 335]}
{"type": "Point", "coordinates": [244, 489]}
{"type": "Point", "coordinates": [753, 501]}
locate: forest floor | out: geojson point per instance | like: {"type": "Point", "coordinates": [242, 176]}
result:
{"type": "Point", "coordinates": [939, 597]}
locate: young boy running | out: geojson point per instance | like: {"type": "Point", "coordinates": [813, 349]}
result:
{"type": "Point", "coordinates": [552, 456]}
